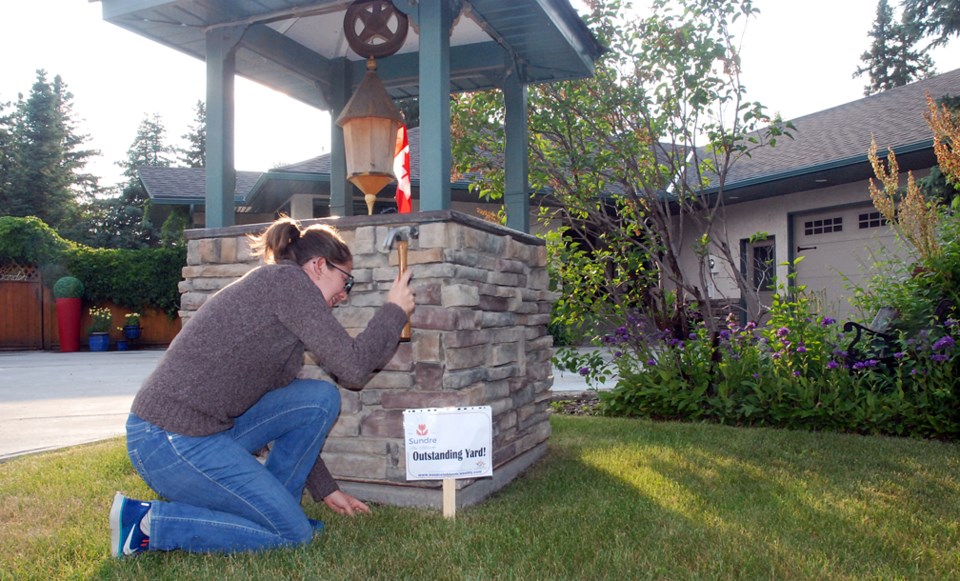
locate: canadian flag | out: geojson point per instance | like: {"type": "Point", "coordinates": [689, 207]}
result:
{"type": "Point", "coordinates": [401, 169]}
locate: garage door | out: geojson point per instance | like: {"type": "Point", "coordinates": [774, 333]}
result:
{"type": "Point", "coordinates": [840, 249]}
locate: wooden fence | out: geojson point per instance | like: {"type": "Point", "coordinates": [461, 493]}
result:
{"type": "Point", "coordinates": [28, 314]}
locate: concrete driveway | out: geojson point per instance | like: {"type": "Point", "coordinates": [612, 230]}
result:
{"type": "Point", "coordinates": [50, 400]}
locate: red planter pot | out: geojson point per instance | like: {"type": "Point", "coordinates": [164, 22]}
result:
{"type": "Point", "coordinates": [68, 324]}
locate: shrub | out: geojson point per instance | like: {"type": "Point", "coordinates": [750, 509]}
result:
{"type": "Point", "coordinates": [132, 278]}
{"type": "Point", "coordinates": [30, 241]}
{"type": "Point", "coordinates": [147, 277]}
{"type": "Point", "coordinates": [68, 287]}
{"type": "Point", "coordinates": [793, 372]}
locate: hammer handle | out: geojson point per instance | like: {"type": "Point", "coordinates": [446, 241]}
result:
{"type": "Point", "coordinates": [402, 259]}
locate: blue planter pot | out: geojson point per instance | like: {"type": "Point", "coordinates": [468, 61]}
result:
{"type": "Point", "coordinates": [122, 345]}
{"type": "Point", "coordinates": [131, 332]}
{"type": "Point", "coordinates": [99, 341]}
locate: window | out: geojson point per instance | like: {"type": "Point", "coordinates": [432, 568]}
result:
{"type": "Point", "coordinates": [825, 226]}
{"type": "Point", "coordinates": [764, 267]}
{"type": "Point", "coordinates": [871, 220]}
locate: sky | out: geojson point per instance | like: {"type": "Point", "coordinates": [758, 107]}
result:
{"type": "Point", "coordinates": [797, 57]}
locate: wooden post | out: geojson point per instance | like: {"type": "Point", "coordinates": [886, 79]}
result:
{"type": "Point", "coordinates": [449, 498]}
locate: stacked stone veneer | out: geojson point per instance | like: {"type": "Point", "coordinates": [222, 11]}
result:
{"type": "Point", "coordinates": [479, 337]}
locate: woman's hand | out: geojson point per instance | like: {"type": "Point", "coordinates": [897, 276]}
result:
{"type": "Point", "coordinates": [342, 503]}
{"type": "Point", "coordinates": [400, 293]}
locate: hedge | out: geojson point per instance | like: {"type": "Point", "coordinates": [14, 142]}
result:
{"type": "Point", "coordinates": [135, 279]}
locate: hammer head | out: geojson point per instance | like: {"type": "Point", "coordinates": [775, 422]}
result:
{"type": "Point", "coordinates": [399, 233]}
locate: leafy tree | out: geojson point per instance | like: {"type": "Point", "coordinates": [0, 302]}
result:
{"type": "Point", "coordinates": [892, 61]}
{"type": "Point", "coordinates": [937, 18]}
{"type": "Point", "coordinates": [632, 162]}
{"type": "Point", "coordinates": [195, 154]}
{"type": "Point", "coordinates": [42, 160]}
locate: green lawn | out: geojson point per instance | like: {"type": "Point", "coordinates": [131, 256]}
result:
{"type": "Point", "coordinates": [613, 499]}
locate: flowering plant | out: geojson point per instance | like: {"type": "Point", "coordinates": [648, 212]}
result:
{"type": "Point", "coordinates": [100, 319]}
{"type": "Point", "coordinates": [131, 320]}
{"type": "Point", "coordinates": [793, 371]}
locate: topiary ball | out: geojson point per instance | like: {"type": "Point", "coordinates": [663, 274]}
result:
{"type": "Point", "coordinates": [68, 287]}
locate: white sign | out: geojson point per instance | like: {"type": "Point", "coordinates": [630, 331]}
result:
{"type": "Point", "coordinates": [448, 442]}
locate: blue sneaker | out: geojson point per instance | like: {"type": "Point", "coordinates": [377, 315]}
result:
{"type": "Point", "coordinates": [126, 537]}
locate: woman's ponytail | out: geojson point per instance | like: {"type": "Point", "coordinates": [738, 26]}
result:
{"type": "Point", "coordinates": [284, 240]}
{"type": "Point", "coordinates": [278, 241]}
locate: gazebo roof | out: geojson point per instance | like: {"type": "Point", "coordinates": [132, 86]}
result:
{"type": "Point", "coordinates": [287, 44]}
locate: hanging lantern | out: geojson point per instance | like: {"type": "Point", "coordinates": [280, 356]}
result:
{"type": "Point", "coordinates": [370, 120]}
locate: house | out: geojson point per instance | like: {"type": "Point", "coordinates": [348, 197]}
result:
{"type": "Point", "coordinates": [811, 196]}
{"type": "Point", "coordinates": [300, 190]}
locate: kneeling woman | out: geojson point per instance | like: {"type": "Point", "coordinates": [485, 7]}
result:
{"type": "Point", "coordinates": [227, 387]}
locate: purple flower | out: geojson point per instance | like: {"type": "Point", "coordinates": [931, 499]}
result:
{"type": "Point", "coordinates": [783, 332]}
{"type": "Point", "coordinates": [949, 323]}
{"type": "Point", "coordinates": [651, 362]}
{"type": "Point", "coordinates": [692, 335]}
{"type": "Point", "coordinates": [756, 376]}
{"type": "Point", "coordinates": [899, 355]}
{"type": "Point", "coordinates": [801, 348]}
{"type": "Point", "coordinates": [584, 371]}
{"type": "Point", "coordinates": [778, 355]}
{"type": "Point", "coordinates": [943, 343]}
{"type": "Point", "coordinates": [939, 358]}
{"type": "Point", "coordinates": [796, 373]}
{"type": "Point", "coordinates": [827, 321]}
{"type": "Point", "coordinates": [832, 364]}
{"type": "Point", "coordinates": [750, 326]}
{"type": "Point", "coordinates": [725, 334]}
{"type": "Point", "coordinates": [618, 354]}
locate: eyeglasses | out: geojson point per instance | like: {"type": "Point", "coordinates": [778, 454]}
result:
{"type": "Point", "coordinates": [347, 286]}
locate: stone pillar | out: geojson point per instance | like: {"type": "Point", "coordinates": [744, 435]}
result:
{"type": "Point", "coordinates": [479, 337]}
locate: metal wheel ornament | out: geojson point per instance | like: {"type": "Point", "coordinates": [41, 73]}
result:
{"type": "Point", "coordinates": [375, 28]}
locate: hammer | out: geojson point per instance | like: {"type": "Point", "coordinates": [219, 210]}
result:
{"type": "Point", "coordinates": [402, 234]}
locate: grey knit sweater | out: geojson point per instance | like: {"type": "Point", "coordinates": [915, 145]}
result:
{"type": "Point", "coordinates": [248, 339]}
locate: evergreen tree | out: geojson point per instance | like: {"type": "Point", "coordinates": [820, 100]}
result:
{"type": "Point", "coordinates": [410, 107]}
{"type": "Point", "coordinates": [937, 18]}
{"type": "Point", "coordinates": [148, 148]}
{"type": "Point", "coordinates": [6, 158]}
{"type": "Point", "coordinates": [124, 221]}
{"type": "Point", "coordinates": [892, 60]}
{"type": "Point", "coordinates": [195, 154]}
{"type": "Point", "coordinates": [42, 160]}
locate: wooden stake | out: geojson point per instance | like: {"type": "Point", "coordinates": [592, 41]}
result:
{"type": "Point", "coordinates": [449, 498]}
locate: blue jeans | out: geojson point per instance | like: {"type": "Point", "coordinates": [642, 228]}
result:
{"type": "Point", "coordinates": [219, 497]}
